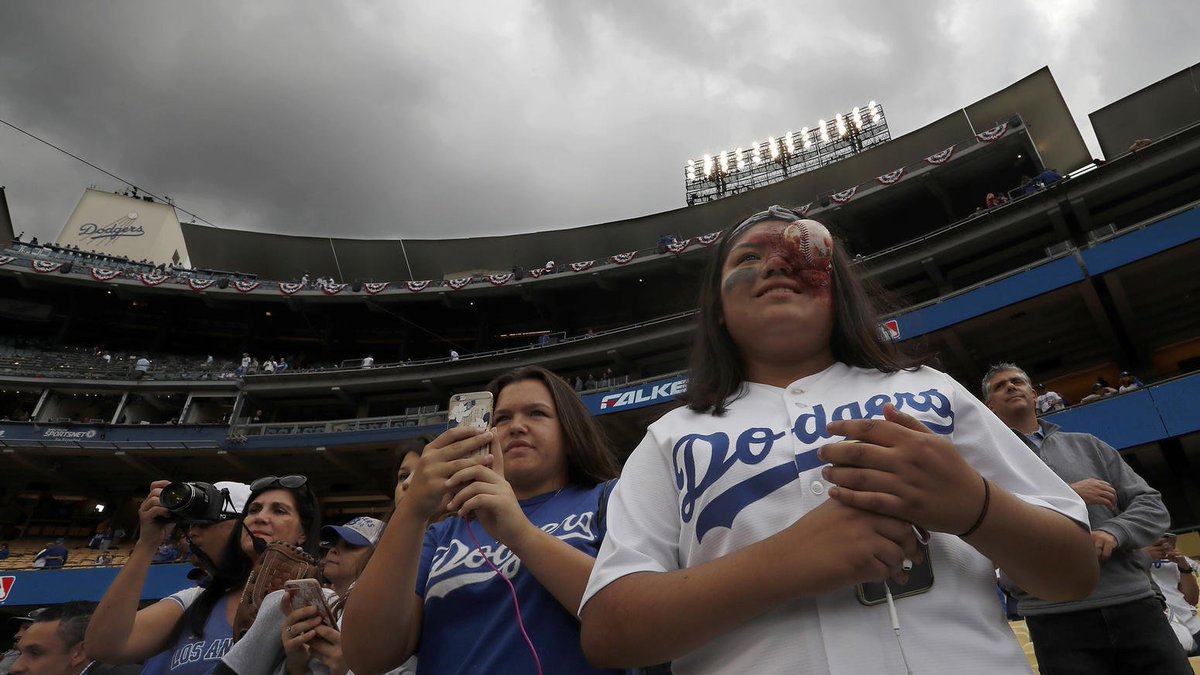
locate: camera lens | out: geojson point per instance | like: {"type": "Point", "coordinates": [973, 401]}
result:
{"type": "Point", "coordinates": [178, 497]}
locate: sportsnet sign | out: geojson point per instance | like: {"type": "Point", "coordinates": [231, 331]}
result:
{"type": "Point", "coordinates": [653, 393]}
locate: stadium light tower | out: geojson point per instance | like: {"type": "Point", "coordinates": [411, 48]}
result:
{"type": "Point", "coordinates": [720, 174]}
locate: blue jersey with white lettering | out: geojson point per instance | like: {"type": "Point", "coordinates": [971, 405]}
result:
{"type": "Point", "coordinates": [470, 623]}
{"type": "Point", "coordinates": [191, 654]}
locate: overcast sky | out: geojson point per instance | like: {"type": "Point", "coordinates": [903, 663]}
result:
{"type": "Point", "coordinates": [446, 119]}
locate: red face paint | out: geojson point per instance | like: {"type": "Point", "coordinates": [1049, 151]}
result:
{"type": "Point", "coordinates": [804, 248]}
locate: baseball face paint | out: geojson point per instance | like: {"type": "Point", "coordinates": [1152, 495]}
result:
{"type": "Point", "coordinates": [802, 250]}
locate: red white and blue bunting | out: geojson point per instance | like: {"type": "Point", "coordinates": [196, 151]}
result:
{"type": "Point", "coordinates": [333, 289]}
{"type": "Point", "coordinates": [844, 196]}
{"type": "Point", "coordinates": [44, 266]}
{"type": "Point", "coordinates": [582, 266]}
{"type": "Point", "coordinates": [245, 286]}
{"type": "Point", "coordinates": [416, 286]}
{"type": "Point", "coordinates": [992, 134]}
{"type": "Point", "coordinates": [536, 272]}
{"type": "Point", "coordinates": [200, 284]}
{"type": "Point", "coordinates": [679, 246]}
{"type": "Point", "coordinates": [5, 259]}
{"type": "Point", "coordinates": [101, 274]}
{"type": "Point", "coordinates": [500, 279]}
{"type": "Point", "coordinates": [375, 287]}
{"type": "Point", "coordinates": [153, 278]}
{"type": "Point", "coordinates": [290, 287]}
{"type": "Point", "coordinates": [460, 283]}
{"type": "Point", "coordinates": [891, 177]}
{"type": "Point", "coordinates": [623, 258]}
{"type": "Point", "coordinates": [709, 239]}
{"type": "Point", "coordinates": [939, 158]}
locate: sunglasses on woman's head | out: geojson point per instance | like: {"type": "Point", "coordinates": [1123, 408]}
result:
{"type": "Point", "coordinates": [292, 482]}
{"type": "Point", "coordinates": [775, 212]}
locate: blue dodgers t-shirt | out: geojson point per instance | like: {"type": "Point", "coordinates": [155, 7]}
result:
{"type": "Point", "coordinates": [194, 655]}
{"type": "Point", "coordinates": [470, 623]}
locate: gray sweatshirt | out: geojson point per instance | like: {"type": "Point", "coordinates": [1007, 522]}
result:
{"type": "Point", "coordinates": [1140, 519]}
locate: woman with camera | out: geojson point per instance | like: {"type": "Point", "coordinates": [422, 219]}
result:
{"type": "Point", "coordinates": [522, 542]}
{"type": "Point", "coordinates": [188, 632]}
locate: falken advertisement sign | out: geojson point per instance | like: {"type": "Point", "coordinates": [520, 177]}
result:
{"type": "Point", "coordinates": [632, 398]}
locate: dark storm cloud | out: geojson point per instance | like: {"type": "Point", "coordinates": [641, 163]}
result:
{"type": "Point", "coordinates": [432, 120]}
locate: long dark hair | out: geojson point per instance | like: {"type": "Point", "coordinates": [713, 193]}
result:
{"type": "Point", "coordinates": [307, 507]}
{"type": "Point", "coordinates": [716, 370]}
{"type": "Point", "coordinates": [229, 574]}
{"type": "Point", "coordinates": [590, 460]}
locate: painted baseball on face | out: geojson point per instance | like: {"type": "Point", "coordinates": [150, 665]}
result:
{"type": "Point", "coordinates": [809, 248]}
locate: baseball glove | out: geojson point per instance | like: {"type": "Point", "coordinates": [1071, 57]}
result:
{"type": "Point", "coordinates": [277, 565]}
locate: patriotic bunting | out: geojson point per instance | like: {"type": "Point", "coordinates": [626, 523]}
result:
{"type": "Point", "coordinates": [457, 284]}
{"type": "Point", "coordinates": [245, 286]}
{"type": "Point", "coordinates": [375, 287]}
{"type": "Point", "coordinates": [679, 246]}
{"type": "Point", "coordinates": [709, 239]}
{"type": "Point", "coordinates": [500, 279]}
{"type": "Point", "coordinates": [993, 133]}
{"type": "Point", "coordinates": [844, 196]}
{"type": "Point", "coordinates": [153, 278]}
{"type": "Point", "coordinates": [5, 259]}
{"type": "Point", "coordinates": [101, 274]}
{"type": "Point", "coordinates": [891, 177]}
{"type": "Point", "coordinates": [942, 157]}
{"type": "Point", "coordinates": [582, 266]}
{"type": "Point", "coordinates": [333, 289]}
{"type": "Point", "coordinates": [623, 258]}
{"type": "Point", "coordinates": [416, 286]}
{"type": "Point", "coordinates": [44, 266]}
{"type": "Point", "coordinates": [535, 273]}
{"type": "Point", "coordinates": [200, 284]}
{"type": "Point", "coordinates": [290, 287]}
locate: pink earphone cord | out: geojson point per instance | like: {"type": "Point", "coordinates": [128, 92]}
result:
{"type": "Point", "coordinates": [516, 603]}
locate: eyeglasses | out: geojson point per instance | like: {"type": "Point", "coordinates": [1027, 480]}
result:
{"type": "Point", "coordinates": [292, 482]}
{"type": "Point", "coordinates": [775, 212]}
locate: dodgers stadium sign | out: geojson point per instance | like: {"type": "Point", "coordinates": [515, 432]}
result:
{"type": "Point", "coordinates": [653, 393]}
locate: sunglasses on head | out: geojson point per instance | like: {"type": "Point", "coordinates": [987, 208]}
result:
{"type": "Point", "coordinates": [292, 482]}
{"type": "Point", "coordinates": [775, 212]}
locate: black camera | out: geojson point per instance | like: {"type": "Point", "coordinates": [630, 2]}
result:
{"type": "Point", "coordinates": [194, 502]}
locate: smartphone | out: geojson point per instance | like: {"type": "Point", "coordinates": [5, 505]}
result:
{"type": "Point", "coordinates": [308, 592]}
{"type": "Point", "coordinates": [920, 580]}
{"type": "Point", "coordinates": [473, 409]}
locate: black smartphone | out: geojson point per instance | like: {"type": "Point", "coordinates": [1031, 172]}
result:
{"type": "Point", "coordinates": [920, 580]}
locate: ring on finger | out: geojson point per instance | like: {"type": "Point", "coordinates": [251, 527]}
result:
{"type": "Point", "coordinates": [289, 631]}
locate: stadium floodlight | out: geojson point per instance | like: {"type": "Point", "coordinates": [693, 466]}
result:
{"type": "Point", "coordinates": [728, 172]}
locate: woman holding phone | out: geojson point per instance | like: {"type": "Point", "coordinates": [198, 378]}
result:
{"type": "Point", "coordinates": [810, 459]}
{"type": "Point", "coordinates": [526, 529]}
{"type": "Point", "coordinates": [188, 632]}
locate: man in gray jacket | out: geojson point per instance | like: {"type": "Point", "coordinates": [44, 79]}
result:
{"type": "Point", "coordinates": [1120, 627]}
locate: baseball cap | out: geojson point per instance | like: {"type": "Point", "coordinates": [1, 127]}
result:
{"type": "Point", "coordinates": [362, 531]}
{"type": "Point", "coordinates": [31, 616]}
{"type": "Point", "coordinates": [239, 494]}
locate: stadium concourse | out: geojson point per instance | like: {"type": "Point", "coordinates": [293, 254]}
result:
{"type": "Point", "coordinates": [1078, 280]}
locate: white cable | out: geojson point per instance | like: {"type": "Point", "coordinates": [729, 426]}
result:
{"type": "Point", "coordinates": [891, 605]}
